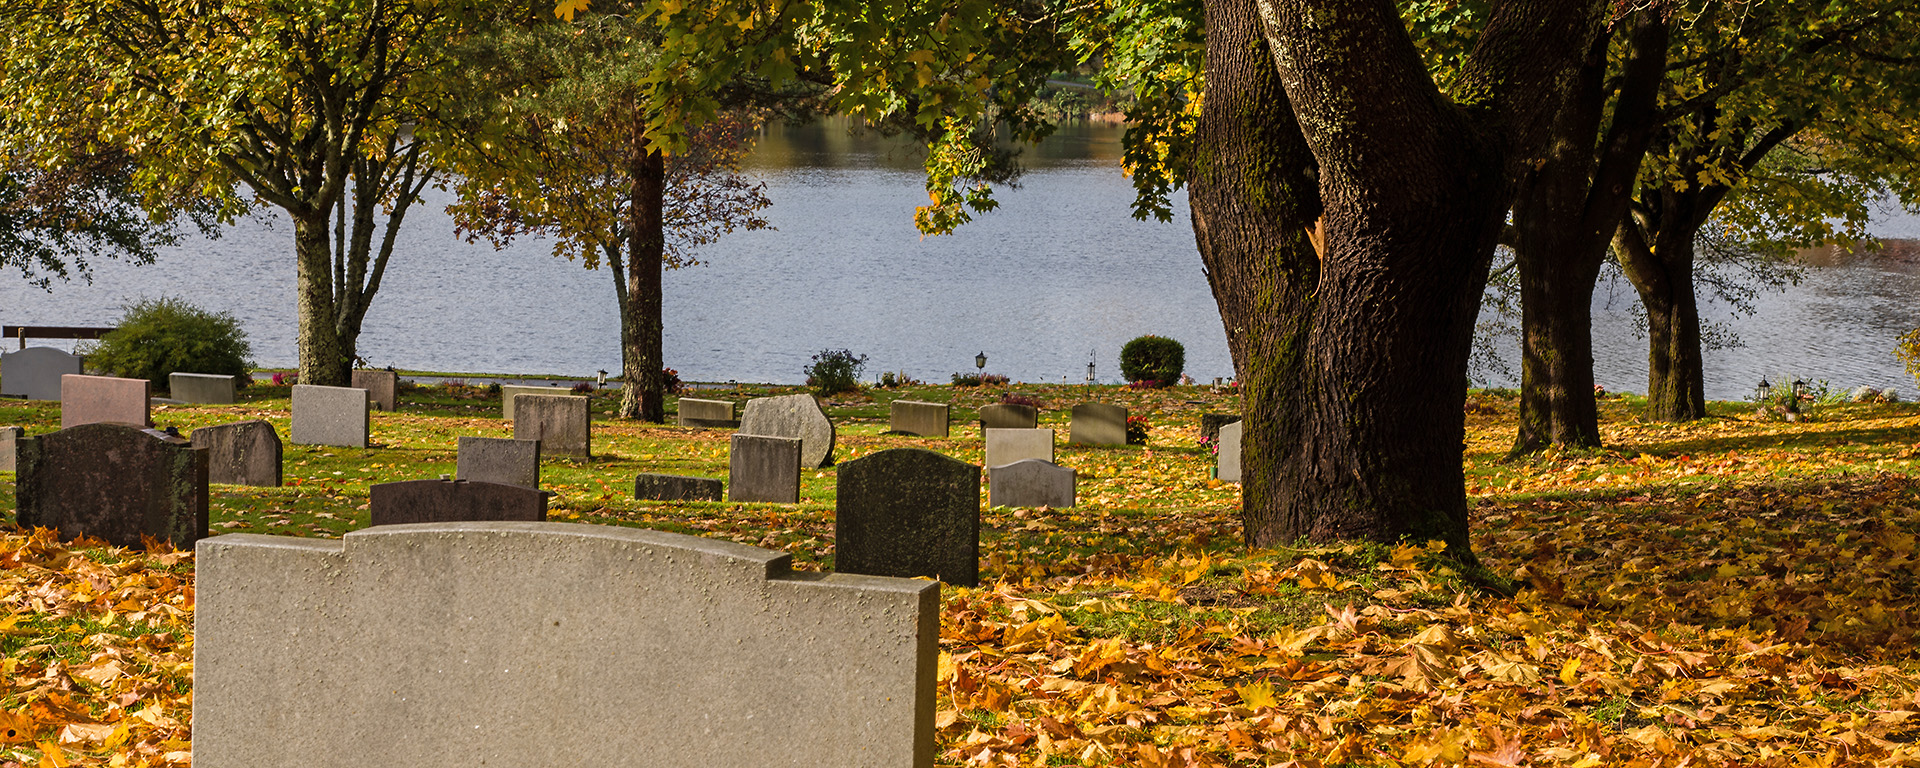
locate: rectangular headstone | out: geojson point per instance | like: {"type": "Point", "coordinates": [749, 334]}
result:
{"type": "Point", "coordinates": [498, 460]}
{"type": "Point", "coordinates": [1031, 483]}
{"type": "Point", "coordinates": [9, 438]}
{"type": "Point", "coordinates": [560, 422]}
{"type": "Point", "coordinates": [94, 399]}
{"type": "Point", "coordinates": [650, 487]}
{"type": "Point", "coordinates": [34, 373]}
{"type": "Point", "coordinates": [1228, 468]}
{"type": "Point", "coordinates": [208, 388]}
{"type": "Point", "coordinates": [1006, 446]}
{"type": "Point", "coordinates": [114, 482]}
{"type": "Point", "coordinates": [382, 386]}
{"type": "Point", "coordinates": [1098, 424]}
{"type": "Point", "coordinates": [706, 413]}
{"type": "Point", "coordinates": [1210, 424]}
{"type": "Point", "coordinates": [456, 645]}
{"type": "Point", "coordinates": [762, 468]}
{"type": "Point", "coordinates": [330, 416]}
{"type": "Point", "coordinates": [797, 416]}
{"type": "Point", "coordinates": [914, 417]}
{"type": "Point", "coordinates": [241, 453]}
{"type": "Point", "coordinates": [908, 512]}
{"type": "Point", "coordinates": [1009, 416]}
{"type": "Point", "coordinates": [507, 394]}
{"type": "Point", "coordinates": [453, 501]}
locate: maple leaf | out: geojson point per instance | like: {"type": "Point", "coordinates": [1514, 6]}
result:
{"type": "Point", "coordinates": [1504, 752]}
{"type": "Point", "coordinates": [567, 8]}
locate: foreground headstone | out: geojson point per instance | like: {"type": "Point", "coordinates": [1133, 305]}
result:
{"type": "Point", "coordinates": [498, 460]}
{"type": "Point", "coordinates": [917, 418]}
{"type": "Point", "coordinates": [9, 437]}
{"type": "Point", "coordinates": [507, 393]}
{"type": "Point", "coordinates": [383, 387]}
{"type": "Point", "coordinates": [1228, 466]}
{"type": "Point", "coordinates": [1030, 483]}
{"type": "Point", "coordinates": [114, 482]}
{"type": "Point", "coordinates": [1006, 446]}
{"type": "Point", "coordinates": [453, 501]}
{"type": "Point", "coordinates": [706, 413]}
{"type": "Point", "coordinates": [241, 453]}
{"type": "Point", "coordinates": [762, 468]}
{"type": "Point", "coordinates": [339, 416]}
{"type": "Point", "coordinates": [649, 487]}
{"type": "Point", "coordinates": [207, 388]}
{"type": "Point", "coordinates": [1210, 424]}
{"type": "Point", "coordinates": [96, 399]}
{"type": "Point", "coordinates": [908, 512]}
{"type": "Point", "coordinates": [1098, 424]}
{"type": "Point", "coordinates": [34, 373]}
{"type": "Point", "coordinates": [1009, 416]}
{"type": "Point", "coordinates": [561, 423]}
{"type": "Point", "coordinates": [552, 644]}
{"type": "Point", "coordinates": [792, 416]}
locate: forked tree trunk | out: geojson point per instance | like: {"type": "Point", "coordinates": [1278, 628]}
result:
{"type": "Point", "coordinates": [641, 326]}
{"type": "Point", "coordinates": [1663, 276]}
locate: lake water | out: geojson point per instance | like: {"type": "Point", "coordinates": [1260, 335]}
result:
{"type": "Point", "coordinates": [1059, 275]}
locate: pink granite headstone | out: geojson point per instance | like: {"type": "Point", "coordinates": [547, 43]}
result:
{"type": "Point", "coordinates": [95, 399]}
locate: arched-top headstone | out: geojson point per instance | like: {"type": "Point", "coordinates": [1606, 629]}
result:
{"type": "Point", "coordinates": [908, 512]}
{"type": "Point", "coordinates": [114, 482]}
{"type": "Point", "coordinates": [34, 372]}
{"type": "Point", "coordinates": [792, 416]}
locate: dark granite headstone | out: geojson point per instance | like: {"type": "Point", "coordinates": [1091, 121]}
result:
{"type": "Point", "coordinates": [452, 501]}
{"type": "Point", "coordinates": [1009, 416]}
{"type": "Point", "coordinates": [908, 512]}
{"type": "Point", "coordinates": [763, 468]}
{"type": "Point", "coordinates": [383, 387]}
{"type": "Point", "coordinates": [676, 488]}
{"type": "Point", "coordinates": [560, 422]}
{"type": "Point", "coordinates": [113, 482]}
{"type": "Point", "coordinates": [241, 453]}
{"type": "Point", "coordinates": [1210, 424]}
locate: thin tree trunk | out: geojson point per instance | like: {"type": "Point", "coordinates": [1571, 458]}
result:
{"type": "Point", "coordinates": [325, 358]}
{"type": "Point", "coordinates": [1663, 276]}
{"type": "Point", "coordinates": [641, 325]}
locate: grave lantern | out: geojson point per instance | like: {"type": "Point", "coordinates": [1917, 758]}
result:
{"type": "Point", "coordinates": [980, 361]}
{"type": "Point", "coordinates": [1089, 373]}
{"type": "Point", "coordinates": [1799, 388]}
{"type": "Point", "coordinates": [1765, 389]}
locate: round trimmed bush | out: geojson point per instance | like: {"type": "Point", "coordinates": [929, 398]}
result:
{"type": "Point", "coordinates": [1153, 358]}
{"type": "Point", "coordinates": [158, 337]}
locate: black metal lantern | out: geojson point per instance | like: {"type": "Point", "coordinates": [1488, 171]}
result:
{"type": "Point", "coordinates": [603, 377]}
{"type": "Point", "coordinates": [1765, 389]}
{"type": "Point", "coordinates": [1799, 388]}
{"type": "Point", "coordinates": [980, 361]}
{"type": "Point", "coordinates": [1089, 373]}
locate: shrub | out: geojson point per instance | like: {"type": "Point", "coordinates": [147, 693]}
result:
{"type": "Point", "coordinates": [834, 371]}
{"type": "Point", "coordinates": [673, 386]}
{"type": "Point", "coordinates": [1137, 429]}
{"type": "Point", "coordinates": [583, 388]}
{"type": "Point", "coordinates": [1153, 358]}
{"type": "Point", "coordinates": [1027, 400]}
{"type": "Point", "coordinates": [890, 379]}
{"type": "Point", "coordinates": [158, 337]}
{"type": "Point", "coordinates": [1907, 349]}
{"type": "Point", "coordinates": [977, 380]}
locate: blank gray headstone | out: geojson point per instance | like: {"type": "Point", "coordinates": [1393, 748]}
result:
{"type": "Point", "coordinates": [94, 399]}
{"type": "Point", "coordinates": [762, 468]}
{"type": "Point", "coordinates": [1229, 460]}
{"type": "Point", "coordinates": [917, 418]}
{"type": "Point", "coordinates": [1098, 424]}
{"type": "Point", "coordinates": [507, 394]}
{"type": "Point", "coordinates": [908, 512]}
{"type": "Point", "coordinates": [113, 482]}
{"type": "Point", "coordinates": [1006, 446]}
{"type": "Point", "coordinates": [706, 413]}
{"type": "Point", "coordinates": [498, 460]}
{"type": "Point", "coordinates": [34, 372]}
{"type": "Point", "coordinates": [792, 416]}
{"type": "Point", "coordinates": [383, 387]}
{"type": "Point", "coordinates": [561, 423]}
{"type": "Point", "coordinates": [452, 501]}
{"type": "Point", "coordinates": [8, 438]}
{"type": "Point", "coordinates": [241, 453]}
{"type": "Point", "coordinates": [339, 416]}
{"type": "Point", "coordinates": [207, 388]}
{"type": "Point", "coordinates": [651, 487]}
{"type": "Point", "coordinates": [1009, 416]}
{"type": "Point", "coordinates": [1031, 483]}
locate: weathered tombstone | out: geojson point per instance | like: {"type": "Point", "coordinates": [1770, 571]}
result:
{"type": "Point", "coordinates": [453, 501]}
{"type": "Point", "coordinates": [651, 487]}
{"type": "Point", "coordinates": [1030, 483]}
{"type": "Point", "coordinates": [1006, 446]}
{"type": "Point", "coordinates": [330, 416]}
{"type": "Point", "coordinates": [792, 416]}
{"type": "Point", "coordinates": [560, 422]}
{"type": "Point", "coordinates": [908, 512]}
{"type": "Point", "coordinates": [113, 482]}
{"type": "Point", "coordinates": [241, 453]}
{"type": "Point", "coordinates": [383, 387]}
{"type": "Point", "coordinates": [763, 468]}
{"type": "Point", "coordinates": [1009, 416]}
{"type": "Point", "coordinates": [507, 394]}
{"type": "Point", "coordinates": [34, 372]}
{"type": "Point", "coordinates": [498, 460]}
{"type": "Point", "coordinates": [917, 418]}
{"type": "Point", "coordinates": [508, 644]}
{"type": "Point", "coordinates": [207, 388]}
{"type": "Point", "coordinates": [706, 413]}
{"type": "Point", "coordinates": [94, 399]}
{"type": "Point", "coordinates": [1228, 466]}
{"type": "Point", "coordinates": [9, 436]}
{"type": "Point", "coordinates": [1210, 424]}
{"type": "Point", "coordinates": [1098, 424]}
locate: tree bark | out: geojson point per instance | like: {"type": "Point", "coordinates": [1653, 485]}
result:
{"type": "Point", "coordinates": [1663, 276]}
{"type": "Point", "coordinates": [641, 327]}
{"type": "Point", "coordinates": [325, 358]}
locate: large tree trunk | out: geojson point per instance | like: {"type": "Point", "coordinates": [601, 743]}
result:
{"type": "Point", "coordinates": [326, 358]}
{"type": "Point", "coordinates": [642, 358]}
{"type": "Point", "coordinates": [1663, 276]}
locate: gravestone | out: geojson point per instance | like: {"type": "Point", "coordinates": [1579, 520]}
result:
{"type": "Point", "coordinates": [113, 482]}
{"type": "Point", "coordinates": [908, 512]}
{"type": "Point", "coordinates": [453, 501]}
{"type": "Point", "coordinates": [1006, 446]}
{"type": "Point", "coordinates": [241, 453]}
{"type": "Point", "coordinates": [917, 418]}
{"type": "Point", "coordinates": [507, 394]}
{"type": "Point", "coordinates": [330, 416]}
{"type": "Point", "coordinates": [34, 372]}
{"type": "Point", "coordinates": [383, 387]}
{"type": "Point", "coordinates": [9, 437]}
{"type": "Point", "coordinates": [1009, 416]}
{"type": "Point", "coordinates": [792, 416]}
{"type": "Point", "coordinates": [1098, 424]}
{"type": "Point", "coordinates": [677, 488]}
{"type": "Point", "coordinates": [94, 399]}
{"type": "Point", "coordinates": [1030, 483]}
{"type": "Point", "coordinates": [560, 422]}
{"type": "Point", "coordinates": [706, 413]}
{"type": "Point", "coordinates": [1228, 463]}
{"type": "Point", "coordinates": [207, 388]}
{"type": "Point", "coordinates": [455, 645]}
{"type": "Point", "coordinates": [762, 468]}
{"type": "Point", "coordinates": [1210, 424]}
{"type": "Point", "coordinates": [498, 460]}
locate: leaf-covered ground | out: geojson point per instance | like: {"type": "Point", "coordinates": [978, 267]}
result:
{"type": "Point", "coordinates": [1733, 592]}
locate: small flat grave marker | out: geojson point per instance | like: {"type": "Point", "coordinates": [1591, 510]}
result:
{"type": "Point", "coordinates": [908, 512]}
{"type": "Point", "coordinates": [706, 413]}
{"type": "Point", "coordinates": [339, 416]}
{"type": "Point", "coordinates": [918, 418]}
{"type": "Point", "coordinates": [792, 416]}
{"type": "Point", "coordinates": [763, 468]}
{"type": "Point", "coordinates": [498, 460]}
{"type": "Point", "coordinates": [561, 423]}
{"type": "Point", "coordinates": [114, 482]}
{"type": "Point", "coordinates": [1031, 483]}
{"type": "Point", "coordinates": [203, 388]}
{"type": "Point", "coordinates": [650, 487]}
{"type": "Point", "coordinates": [452, 501]}
{"type": "Point", "coordinates": [1006, 446]}
{"type": "Point", "coordinates": [241, 453]}
{"type": "Point", "coordinates": [1098, 424]}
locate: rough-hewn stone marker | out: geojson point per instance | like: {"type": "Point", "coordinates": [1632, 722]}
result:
{"type": "Point", "coordinates": [9, 436]}
{"type": "Point", "coordinates": [453, 501]}
{"type": "Point", "coordinates": [1030, 483]}
{"type": "Point", "coordinates": [508, 392]}
{"type": "Point", "coordinates": [34, 373]}
{"type": "Point", "coordinates": [498, 460]}
{"type": "Point", "coordinates": [762, 468]}
{"type": "Point", "coordinates": [1098, 424]}
{"type": "Point", "coordinates": [1009, 416]}
{"type": "Point", "coordinates": [1210, 424]}
{"type": "Point", "coordinates": [908, 512]}
{"type": "Point", "coordinates": [792, 416]}
{"type": "Point", "coordinates": [241, 453]}
{"type": "Point", "coordinates": [676, 488]}
{"type": "Point", "coordinates": [94, 399]}
{"type": "Point", "coordinates": [330, 416]}
{"type": "Point", "coordinates": [207, 388]}
{"type": "Point", "coordinates": [457, 645]}
{"type": "Point", "coordinates": [1006, 446]}
{"type": "Point", "coordinates": [383, 387]}
{"type": "Point", "coordinates": [1228, 467]}
{"type": "Point", "coordinates": [113, 482]}
{"type": "Point", "coordinates": [561, 423]}
{"type": "Point", "coordinates": [917, 418]}
{"type": "Point", "coordinates": [706, 413]}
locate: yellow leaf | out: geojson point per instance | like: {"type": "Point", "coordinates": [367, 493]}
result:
{"type": "Point", "coordinates": [1569, 673]}
{"type": "Point", "coordinates": [567, 8]}
{"type": "Point", "coordinates": [1256, 695]}
{"type": "Point", "coordinates": [51, 756]}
